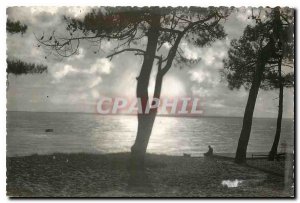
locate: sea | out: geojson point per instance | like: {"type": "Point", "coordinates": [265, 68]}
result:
{"type": "Point", "coordinates": [94, 133]}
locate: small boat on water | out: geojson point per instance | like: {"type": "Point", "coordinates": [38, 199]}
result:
{"type": "Point", "coordinates": [49, 130]}
{"type": "Point", "coordinates": [186, 155]}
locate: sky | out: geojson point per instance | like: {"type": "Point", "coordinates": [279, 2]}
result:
{"type": "Point", "coordinates": [76, 83]}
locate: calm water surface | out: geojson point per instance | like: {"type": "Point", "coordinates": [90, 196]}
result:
{"type": "Point", "coordinates": [92, 133]}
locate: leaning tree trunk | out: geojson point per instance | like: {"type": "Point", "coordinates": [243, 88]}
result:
{"type": "Point", "coordinates": [145, 121]}
{"type": "Point", "coordinates": [241, 152]}
{"type": "Point", "coordinates": [273, 151]}
{"type": "Point", "coordinates": [138, 176]}
{"type": "Point", "coordinates": [145, 125]}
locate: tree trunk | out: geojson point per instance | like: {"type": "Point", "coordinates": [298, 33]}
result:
{"type": "Point", "coordinates": [138, 178]}
{"type": "Point", "coordinates": [273, 151]}
{"type": "Point", "coordinates": [145, 125]}
{"type": "Point", "coordinates": [241, 152]}
{"type": "Point", "coordinates": [145, 121]}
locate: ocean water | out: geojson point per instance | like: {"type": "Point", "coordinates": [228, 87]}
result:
{"type": "Point", "coordinates": [92, 133]}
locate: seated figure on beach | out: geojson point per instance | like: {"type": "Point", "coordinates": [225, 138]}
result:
{"type": "Point", "coordinates": [210, 151]}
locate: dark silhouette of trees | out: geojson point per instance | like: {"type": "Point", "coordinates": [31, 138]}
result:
{"type": "Point", "coordinates": [14, 27]}
{"type": "Point", "coordinates": [280, 82]}
{"type": "Point", "coordinates": [16, 66]}
{"type": "Point", "coordinates": [126, 27]}
{"type": "Point", "coordinates": [254, 61]}
{"type": "Point", "coordinates": [283, 80]}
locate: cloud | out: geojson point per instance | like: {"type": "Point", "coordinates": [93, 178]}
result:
{"type": "Point", "coordinates": [95, 82]}
{"type": "Point", "coordinates": [200, 75]}
{"type": "Point", "coordinates": [62, 72]}
{"type": "Point", "coordinates": [77, 82]}
{"type": "Point", "coordinates": [102, 65]}
{"type": "Point", "coordinates": [190, 52]}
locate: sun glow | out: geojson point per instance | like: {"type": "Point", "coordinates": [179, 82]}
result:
{"type": "Point", "coordinates": [171, 87]}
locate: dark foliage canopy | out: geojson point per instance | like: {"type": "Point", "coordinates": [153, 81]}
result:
{"type": "Point", "coordinates": [240, 65]}
{"type": "Point", "coordinates": [15, 27]}
{"type": "Point", "coordinates": [19, 67]}
{"type": "Point", "coordinates": [127, 26]}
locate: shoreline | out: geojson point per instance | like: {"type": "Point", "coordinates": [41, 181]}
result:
{"type": "Point", "coordinates": [106, 175]}
{"type": "Point", "coordinates": [223, 154]}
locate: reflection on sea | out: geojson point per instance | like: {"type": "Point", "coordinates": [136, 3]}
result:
{"type": "Point", "coordinates": [92, 133]}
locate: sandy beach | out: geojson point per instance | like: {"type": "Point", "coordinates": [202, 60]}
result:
{"type": "Point", "coordinates": [91, 175]}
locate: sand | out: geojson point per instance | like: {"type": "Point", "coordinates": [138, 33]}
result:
{"type": "Point", "coordinates": [94, 175]}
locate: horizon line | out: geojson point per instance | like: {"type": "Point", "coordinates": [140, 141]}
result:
{"type": "Point", "coordinates": [162, 115]}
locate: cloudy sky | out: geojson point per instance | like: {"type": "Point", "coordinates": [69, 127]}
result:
{"type": "Point", "coordinates": [75, 84]}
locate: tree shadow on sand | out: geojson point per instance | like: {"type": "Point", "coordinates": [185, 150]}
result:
{"type": "Point", "coordinates": [140, 175]}
{"type": "Point", "coordinates": [139, 181]}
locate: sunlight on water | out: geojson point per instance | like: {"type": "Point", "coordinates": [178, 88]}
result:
{"type": "Point", "coordinates": [163, 134]}
{"type": "Point", "coordinates": [230, 183]}
{"type": "Point", "coordinates": [91, 133]}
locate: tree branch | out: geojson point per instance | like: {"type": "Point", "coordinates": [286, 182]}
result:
{"type": "Point", "coordinates": [139, 51]}
{"type": "Point", "coordinates": [174, 48]}
{"type": "Point", "coordinates": [187, 21]}
{"type": "Point", "coordinates": [287, 65]}
{"type": "Point", "coordinates": [170, 30]}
